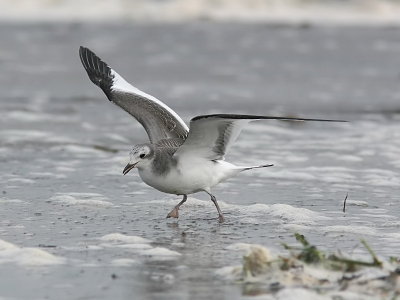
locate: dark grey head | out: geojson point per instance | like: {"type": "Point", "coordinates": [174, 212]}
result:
{"type": "Point", "coordinates": [140, 156]}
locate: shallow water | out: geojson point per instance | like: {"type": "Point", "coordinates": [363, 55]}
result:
{"type": "Point", "coordinates": [63, 147]}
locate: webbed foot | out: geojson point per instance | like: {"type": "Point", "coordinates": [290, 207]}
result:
{"type": "Point", "coordinates": [221, 219]}
{"type": "Point", "coordinates": [173, 213]}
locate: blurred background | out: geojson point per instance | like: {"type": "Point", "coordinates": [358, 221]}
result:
{"type": "Point", "coordinates": [292, 11]}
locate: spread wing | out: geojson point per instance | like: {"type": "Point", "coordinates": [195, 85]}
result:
{"type": "Point", "coordinates": [159, 121]}
{"type": "Point", "coordinates": [211, 136]}
{"type": "Point", "coordinates": [169, 145]}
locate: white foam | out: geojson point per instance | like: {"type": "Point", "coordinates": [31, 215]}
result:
{"type": "Point", "coordinates": [299, 294]}
{"type": "Point", "coordinates": [135, 246]}
{"type": "Point", "coordinates": [349, 158]}
{"type": "Point", "coordinates": [256, 213]}
{"type": "Point", "coordinates": [296, 227]}
{"type": "Point", "coordinates": [26, 256]}
{"type": "Point", "coordinates": [47, 175]}
{"type": "Point", "coordinates": [93, 247]}
{"type": "Point", "coordinates": [89, 265]}
{"type": "Point", "coordinates": [163, 278]}
{"type": "Point", "coordinates": [360, 230]}
{"type": "Point", "coordinates": [245, 247]}
{"type": "Point", "coordinates": [78, 149]}
{"type": "Point", "coordinates": [139, 246]}
{"type": "Point", "coordinates": [288, 174]}
{"type": "Point", "coordinates": [394, 236]}
{"type": "Point", "coordinates": [296, 158]}
{"type": "Point", "coordinates": [123, 262]}
{"type": "Point", "coordinates": [160, 253]}
{"type": "Point", "coordinates": [27, 116]}
{"type": "Point", "coordinates": [381, 180]}
{"type": "Point", "coordinates": [122, 238]}
{"type": "Point", "coordinates": [7, 246]}
{"type": "Point", "coordinates": [12, 201]}
{"type": "Point", "coordinates": [85, 199]}
{"type": "Point", "coordinates": [229, 273]}
{"type": "Point", "coordinates": [14, 136]}
{"type": "Point", "coordinates": [250, 220]}
{"type": "Point", "coordinates": [64, 169]}
{"type": "Point", "coordinates": [20, 180]}
{"type": "Point", "coordinates": [17, 136]}
{"type": "Point", "coordinates": [357, 203]}
{"type": "Point", "coordinates": [296, 214]}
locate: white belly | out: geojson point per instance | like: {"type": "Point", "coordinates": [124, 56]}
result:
{"type": "Point", "coordinates": [190, 177]}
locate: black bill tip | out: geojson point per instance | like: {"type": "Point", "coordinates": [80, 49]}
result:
{"type": "Point", "coordinates": [128, 168]}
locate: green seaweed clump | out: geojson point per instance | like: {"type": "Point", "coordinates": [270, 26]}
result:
{"type": "Point", "coordinates": [315, 270]}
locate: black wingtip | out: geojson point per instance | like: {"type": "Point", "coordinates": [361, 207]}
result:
{"type": "Point", "coordinates": [255, 117]}
{"type": "Point", "coordinates": [98, 71]}
{"type": "Point", "coordinates": [258, 167]}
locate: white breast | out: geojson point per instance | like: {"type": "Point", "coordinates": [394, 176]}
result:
{"type": "Point", "coordinates": [190, 176]}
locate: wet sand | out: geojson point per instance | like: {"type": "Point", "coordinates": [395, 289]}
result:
{"type": "Point", "coordinates": [63, 147]}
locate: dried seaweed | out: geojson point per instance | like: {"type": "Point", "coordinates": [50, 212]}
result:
{"type": "Point", "coordinates": [309, 267]}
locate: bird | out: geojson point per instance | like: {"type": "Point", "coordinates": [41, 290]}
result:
{"type": "Point", "coordinates": [177, 159]}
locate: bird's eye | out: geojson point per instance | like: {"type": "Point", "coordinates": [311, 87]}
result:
{"type": "Point", "coordinates": [142, 155]}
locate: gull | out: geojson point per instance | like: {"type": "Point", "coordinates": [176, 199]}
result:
{"type": "Point", "coordinates": [177, 159]}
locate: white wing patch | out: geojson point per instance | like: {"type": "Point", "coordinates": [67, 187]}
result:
{"type": "Point", "coordinates": [211, 138]}
{"type": "Point", "coordinates": [120, 84]}
{"type": "Point", "coordinates": [229, 133]}
{"type": "Point", "coordinates": [159, 121]}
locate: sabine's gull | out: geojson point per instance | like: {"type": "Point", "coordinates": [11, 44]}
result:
{"type": "Point", "coordinates": [177, 159]}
